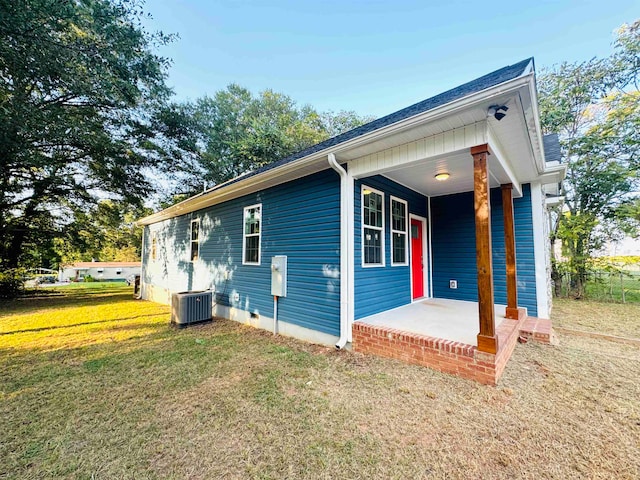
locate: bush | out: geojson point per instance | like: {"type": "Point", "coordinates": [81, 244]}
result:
{"type": "Point", "coordinates": [89, 279]}
{"type": "Point", "coordinates": [12, 282]}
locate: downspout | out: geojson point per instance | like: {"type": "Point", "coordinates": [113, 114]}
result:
{"type": "Point", "coordinates": [346, 232]}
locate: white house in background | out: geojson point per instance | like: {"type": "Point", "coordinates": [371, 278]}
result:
{"type": "Point", "coordinates": [103, 271]}
{"type": "Point", "coordinates": [625, 247]}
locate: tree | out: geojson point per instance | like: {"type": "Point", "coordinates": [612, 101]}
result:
{"type": "Point", "coordinates": [81, 94]}
{"type": "Point", "coordinates": [234, 132]}
{"type": "Point", "coordinates": [595, 107]}
{"type": "Point", "coordinates": [105, 232]}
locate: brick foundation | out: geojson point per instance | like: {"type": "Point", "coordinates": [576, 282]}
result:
{"type": "Point", "coordinates": [444, 355]}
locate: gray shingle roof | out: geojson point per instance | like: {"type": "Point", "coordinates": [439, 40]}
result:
{"type": "Point", "coordinates": [552, 151]}
{"type": "Point", "coordinates": [487, 81]}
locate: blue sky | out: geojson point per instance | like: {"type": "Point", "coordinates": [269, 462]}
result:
{"type": "Point", "coordinates": [373, 57]}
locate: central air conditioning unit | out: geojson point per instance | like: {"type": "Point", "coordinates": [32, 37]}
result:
{"type": "Point", "coordinates": [190, 307]}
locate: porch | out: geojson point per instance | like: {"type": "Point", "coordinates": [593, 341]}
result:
{"type": "Point", "coordinates": [440, 334]}
{"type": "Point", "coordinates": [454, 320]}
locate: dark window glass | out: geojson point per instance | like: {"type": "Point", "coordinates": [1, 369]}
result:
{"type": "Point", "coordinates": [372, 246]}
{"type": "Point", "coordinates": [399, 248]}
{"type": "Point", "coordinates": [251, 249]}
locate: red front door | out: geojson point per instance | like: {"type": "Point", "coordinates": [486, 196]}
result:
{"type": "Point", "coordinates": [417, 269]}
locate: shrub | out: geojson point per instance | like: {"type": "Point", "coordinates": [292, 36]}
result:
{"type": "Point", "coordinates": [89, 278]}
{"type": "Point", "coordinates": [11, 282]}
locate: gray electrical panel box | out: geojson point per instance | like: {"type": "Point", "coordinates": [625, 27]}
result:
{"type": "Point", "coordinates": [279, 276]}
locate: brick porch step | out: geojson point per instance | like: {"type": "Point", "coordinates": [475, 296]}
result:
{"type": "Point", "coordinates": [537, 329]}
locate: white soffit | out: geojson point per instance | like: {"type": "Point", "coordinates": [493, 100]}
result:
{"type": "Point", "coordinates": [421, 177]}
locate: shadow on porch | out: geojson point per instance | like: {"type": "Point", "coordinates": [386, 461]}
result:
{"type": "Point", "coordinates": [441, 334]}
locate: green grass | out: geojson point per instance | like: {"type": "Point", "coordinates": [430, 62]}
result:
{"type": "Point", "coordinates": [610, 287]}
{"type": "Point", "coordinates": [94, 384]}
{"type": "Point", "coordinates": [608, 318]}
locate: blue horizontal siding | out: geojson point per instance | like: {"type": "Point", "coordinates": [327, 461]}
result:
{"type": "Point", "coordinates": [300, 219]}
{"type": "Point", "coordinates": [381, 288]}
{"type": "Point", "coordinates": [454, 248]}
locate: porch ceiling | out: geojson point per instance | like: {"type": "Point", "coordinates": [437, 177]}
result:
{"type": "Point", "coordinates": [421, 177]}
{"type": "Point", "coordinates": [447, 144]}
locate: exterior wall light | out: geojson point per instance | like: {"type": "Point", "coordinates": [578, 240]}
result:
{"type": "Point", "coordinates": [442, 176]}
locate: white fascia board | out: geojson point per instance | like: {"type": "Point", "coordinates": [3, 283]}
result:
{"type": "Point", "coordinates": [553, 201]}
{"type": "Point", "coordinates": [535, 131]}
{"type": "Point", "coordinates": [553, 174]}
{"type": "Point", "coordinates": [237, 189]}
{"type": "Point", "coordinates": [256, 182]}
{"type": "Point", "coordinates": [496, 149]}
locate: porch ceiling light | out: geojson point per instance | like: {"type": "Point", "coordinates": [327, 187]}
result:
{"type": "Point", "coordinates": [442, 176]}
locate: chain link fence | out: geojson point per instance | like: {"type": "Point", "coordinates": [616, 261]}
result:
{"type": "Point", "coordinates": [607, 286]}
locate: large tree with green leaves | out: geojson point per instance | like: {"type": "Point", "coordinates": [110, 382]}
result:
{"type": "Point", "coordinates": [80, 92]}
{"type": "Point", "coordinates": [104, 232]}
{"type": "Point", "coordinates": [234, 132]}
{"type": "Point", "coordinates": [595, 107]}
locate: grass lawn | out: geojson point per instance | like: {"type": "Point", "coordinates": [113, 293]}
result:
{"type": "Point", "coordinates": [94, 384]}
{"type": "Point", "coordinates": [609, 318]}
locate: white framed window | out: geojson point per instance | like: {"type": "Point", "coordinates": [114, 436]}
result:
{"type": "Point", "coordinates": [251, 234]}
{"type": "Point", "coordinates": [372, 227]}
{"type": "Point", "coordinates": [118, 271]}
{"type": "Point", "coordinates": [399, 246]}
{"type": "Point", "coordinates": [154, 246]}
{"type": "Point", "coordinates": [100, 270]}
{"type": "Point", "coordinates": [195, 239]}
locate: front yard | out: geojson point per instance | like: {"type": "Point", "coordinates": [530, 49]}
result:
{"type": "Point", "coordinates": [94, 384]}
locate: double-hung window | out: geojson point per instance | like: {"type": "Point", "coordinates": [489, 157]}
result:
{"type": "Point", "coordinates": [154, 246]}
{"type": "Point", "coordinates": [372, 227]}
{"type": "Point", "coordinates": [251, 235]}
{"type": "Point", "coordinates": [195, 239]}
{"type": "Point", "coordinates": [398, 232]}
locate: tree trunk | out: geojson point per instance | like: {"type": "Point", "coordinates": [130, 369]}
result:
{"type": "Point", "coordinates": [555, 274]}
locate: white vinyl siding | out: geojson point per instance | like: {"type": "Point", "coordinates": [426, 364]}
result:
{"type": "Point", "coordinates": [251, 235]}
{"type": "Point", "coordinates": [372, 227]}
{"type": "Point", "coordinates": [399, 214]}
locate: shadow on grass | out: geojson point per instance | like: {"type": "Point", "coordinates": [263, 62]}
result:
{"type": "Point", "coordinates": [72, 325]}
{"type": "Point", "coordinates": [65, 301]}
{"type": "Point", "coordinates": [157, 353]}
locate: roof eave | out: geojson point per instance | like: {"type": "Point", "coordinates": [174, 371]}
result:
{"type": "Point", "coordinates": [253, 183]}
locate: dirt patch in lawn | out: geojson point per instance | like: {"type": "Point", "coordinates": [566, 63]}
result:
{"type": "Point", "coordinates": [226, 401]}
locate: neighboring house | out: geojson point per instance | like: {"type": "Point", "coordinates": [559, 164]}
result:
{"type": "Point", "coordinates": [103, 271]}
{"type": "Point", "coordinates": [385, 248]}
{"type": "Point", "coordinates": [625, 247]}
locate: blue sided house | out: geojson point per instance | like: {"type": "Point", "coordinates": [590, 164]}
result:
{"type": "Point", "coordinates": [420, 236]}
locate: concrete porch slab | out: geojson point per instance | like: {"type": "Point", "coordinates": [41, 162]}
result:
{"type": "Point", "coordinates": [409, 334]}
{"type": "Point", "coordinates": [454, 320]}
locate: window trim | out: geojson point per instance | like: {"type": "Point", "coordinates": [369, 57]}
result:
{"type": "Point", "coordinates": [192, 241]}
{"type": "Point", "coordinates": [244, 235]}
{"type": "Point", "coordinates": [363, 226]}
{"type": "Point", "coordinates": [405, 232]}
